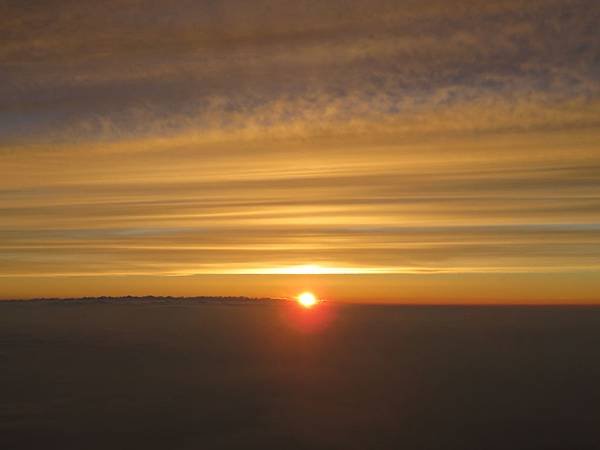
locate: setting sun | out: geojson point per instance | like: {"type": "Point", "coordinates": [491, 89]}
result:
{"type": "Point", "coordinates": [307, 299]}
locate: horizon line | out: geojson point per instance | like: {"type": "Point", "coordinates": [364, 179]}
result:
{"type": "Point", "coordinates": [291, 299]}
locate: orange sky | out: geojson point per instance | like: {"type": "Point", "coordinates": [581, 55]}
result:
{"type": "Point", "coordinates": [404, 152]}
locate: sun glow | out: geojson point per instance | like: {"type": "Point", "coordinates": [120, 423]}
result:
{"type": "Point", "coordinates": [315, 269]}
{"type": "Point", "coordinates": [307, 299]}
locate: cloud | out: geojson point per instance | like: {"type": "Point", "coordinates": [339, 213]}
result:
{"type": "Point", "coordinates": [234, 137]}
{"type": "Point", "coordinates": [217, 67]}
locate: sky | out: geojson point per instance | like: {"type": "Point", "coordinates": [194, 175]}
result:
{"type": "Point", "coordinates": [388, 151]}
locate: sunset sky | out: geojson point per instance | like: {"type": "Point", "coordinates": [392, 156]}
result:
{"type": "Point", "coordinates": [427, 151]}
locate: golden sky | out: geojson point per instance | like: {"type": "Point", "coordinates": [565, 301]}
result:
{"type": "Point", "coordinates": [396, 151]}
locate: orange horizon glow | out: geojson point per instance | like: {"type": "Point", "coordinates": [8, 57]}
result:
{"type": "Point", "coordinates": [421, 288]}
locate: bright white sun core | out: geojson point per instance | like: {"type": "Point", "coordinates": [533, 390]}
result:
{"type": "Point", "coordinates": [307, 299]}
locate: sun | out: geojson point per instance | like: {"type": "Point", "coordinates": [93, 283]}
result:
{"type": "Point", "coordinates": [307, 299]}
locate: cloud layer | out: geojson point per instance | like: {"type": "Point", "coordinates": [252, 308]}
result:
{"type": "Point", "coordinates": [220, 137]}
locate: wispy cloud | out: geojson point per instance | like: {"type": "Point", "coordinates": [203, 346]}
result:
{"type": "Point", "coordinates": [144, 138]}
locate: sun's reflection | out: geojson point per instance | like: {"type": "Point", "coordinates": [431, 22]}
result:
{"type": "Point", "coordinates": [308, 313]}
